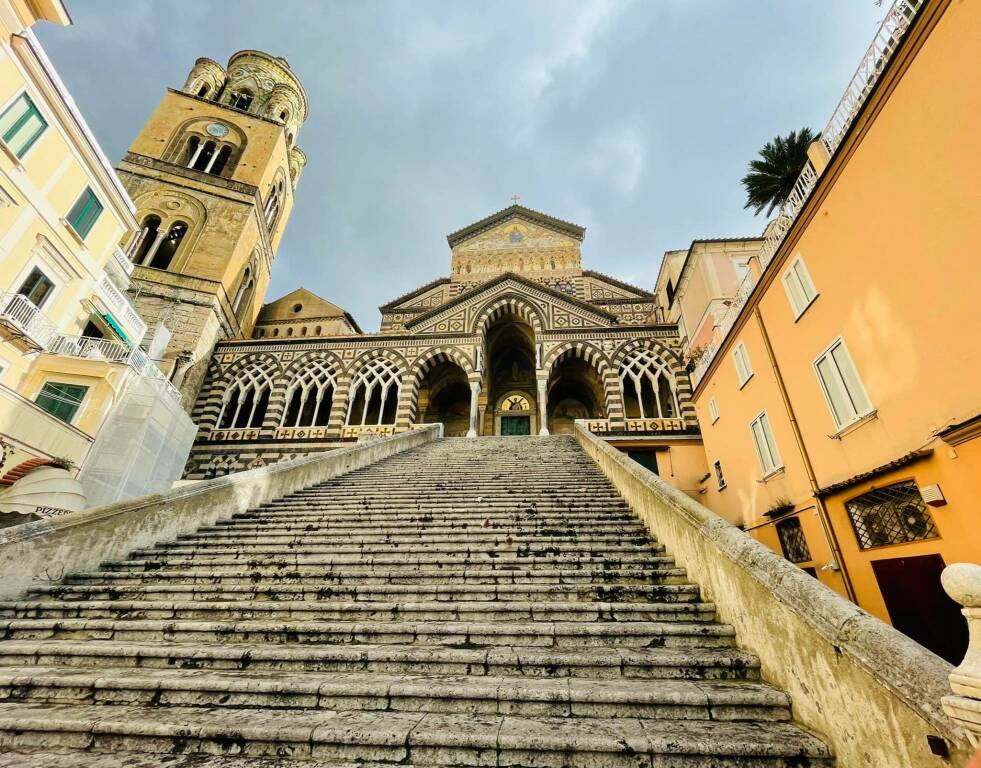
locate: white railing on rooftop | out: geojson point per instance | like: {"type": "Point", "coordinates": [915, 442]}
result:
{"type": "Point", "coordinates": [21, 315]}
{"type": "Point", "coordinates": [888, 37]}
{"type": "Point", "coordinates": [109, 351]}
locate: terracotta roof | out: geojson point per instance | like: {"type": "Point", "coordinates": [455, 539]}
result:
{"type": "Point", "coordinates": [512, 211]}
{"type": "Point", "coordinates": [618, 283]}
{"type": "Point", "coordinates": [22, 469]}
{"type": "Point", "coordinates": [902, 461]}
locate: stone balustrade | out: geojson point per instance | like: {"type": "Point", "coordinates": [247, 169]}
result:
{"type": "Point", "coordinates": [962, 581]}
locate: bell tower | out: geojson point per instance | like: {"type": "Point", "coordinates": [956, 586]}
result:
{"type": "Point", "coordinates": [213, 174]}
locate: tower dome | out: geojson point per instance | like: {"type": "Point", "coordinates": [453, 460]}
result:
{"type": "Point", "coordinates": [205, 79]}
{"type": "Point", "coordinates": [265, 85]}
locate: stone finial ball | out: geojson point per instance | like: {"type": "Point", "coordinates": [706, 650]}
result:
{"type": "Point", "coordinates": [962, 581]}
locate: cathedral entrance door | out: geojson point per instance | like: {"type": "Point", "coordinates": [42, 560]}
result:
{"type": "Point", "coordinates": [515, 425]}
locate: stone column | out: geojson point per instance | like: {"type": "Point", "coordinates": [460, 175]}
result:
{"type": "Point", "coordinates": [474, 399]}
{"type": "Point", "coordinates": [152, 250]}
{"type": "Point", "coordinates": [542, 406]}
{"type": "Point", "coordinates": [962, 581]}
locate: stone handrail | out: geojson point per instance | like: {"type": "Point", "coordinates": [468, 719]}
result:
{"type": "Point", "coordinates": [873, 693]}
{"type": "Point", "coordinates": [43, 552]}
{"type": "Point", "coordinates": [962, 581]}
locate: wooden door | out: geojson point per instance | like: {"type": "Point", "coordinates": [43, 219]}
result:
{"type": "Point", "coordinates": [918, 605]}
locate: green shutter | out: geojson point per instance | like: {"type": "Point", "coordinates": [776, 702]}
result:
{"type": "Point", "coordinates": [61, 400]}
{"type": "Point", "coordinates": [21, 125]}
{"type": "Point", "coordinates": [85, 212]}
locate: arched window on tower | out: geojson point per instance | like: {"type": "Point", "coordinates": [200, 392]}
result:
{"type": "Point", "coordinates": [240, 99]}
{"type": "Point", "coordinates": [168, 247]}
{"type": "Point", "coordinates": [192, 151]}
{"type": "Point", "coordinates": [309, 397]}
{"type": "Point", "coordinates": [648, 387]}
{"type": "Point", "coordinates": [374, 394]}
{"type": "Point", "coordinates": [203, 91]}
{"type": "Point", "coordinates": [203, 156]}
{"type": "Point", "coordinates": [147, 238]}
{"type": "Point", "coordinates": [246, 400]}
{"type": "Point", "coordinates": [274, 203]}
{"type": "Point", "coordinates": [221, 160]}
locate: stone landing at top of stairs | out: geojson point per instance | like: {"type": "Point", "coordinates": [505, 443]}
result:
{"type": "Point", "coordinates": [478, 602]}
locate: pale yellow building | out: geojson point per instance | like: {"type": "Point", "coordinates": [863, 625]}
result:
{"type": "Point", "coordinates": [839, 398]}
{"type": "Point", "coordinates": [69, 337]}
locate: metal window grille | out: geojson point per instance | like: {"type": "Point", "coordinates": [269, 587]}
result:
{"type": "Point", "coordinates": [891, 515]}
{"type": "Point", "coordinates": [792, 541]}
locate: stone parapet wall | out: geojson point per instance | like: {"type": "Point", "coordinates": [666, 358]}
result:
{"type": "Point", "coordinates": [43, 552]}
{"type": "Point", "coordinates": [871, 691]}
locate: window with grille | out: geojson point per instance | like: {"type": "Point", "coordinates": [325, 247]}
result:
{"type": "Point", "coordinates": [85, 212]}
{"type": "Point", "coordinates": [800, 289]}
{"type": "Point", "coordinates": [740, 358]}
{"type": "Point", "coordinates": [21, 125]}
{"type": "Point", "coordinates": [61, 400]}
{"type": "Point", "coordinates": [792, 540]}
{"type": "Point", "coordinates": [713, 410]}
{"type": "Point", "coordinates": [892, 515]}
{"type": "Point", "coordinates": [719, 478]}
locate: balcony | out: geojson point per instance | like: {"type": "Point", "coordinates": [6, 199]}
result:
{"type": "Point", "coordinates": [121, 310]}
{"type": "Point", "coordinates": [24, 324]}
{"type": "Point", "coordinates": [108, 351]}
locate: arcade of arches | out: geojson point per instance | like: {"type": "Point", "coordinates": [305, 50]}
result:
{"type": "Point", "coordinates": [508, 345]}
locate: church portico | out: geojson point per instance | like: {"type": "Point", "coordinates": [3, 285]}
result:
{"type": "Point", "coordinates": [510, 350]}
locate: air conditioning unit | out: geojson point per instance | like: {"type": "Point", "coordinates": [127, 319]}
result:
{"type": "Point", "coordinates": [932, 495]}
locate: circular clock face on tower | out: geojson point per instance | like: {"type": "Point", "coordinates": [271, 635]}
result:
{"type": "Point", "coordinates": [218, 130]}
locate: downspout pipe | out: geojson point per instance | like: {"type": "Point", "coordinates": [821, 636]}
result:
{"type": "Point", "coordinates": [829, 530]}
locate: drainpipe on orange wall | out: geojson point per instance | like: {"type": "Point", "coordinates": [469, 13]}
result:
{"type": "Point", "coordinates": [829, 530]}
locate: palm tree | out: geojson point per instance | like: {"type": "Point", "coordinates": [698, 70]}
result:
{"type": "Point", "coordinates": [771, 178]}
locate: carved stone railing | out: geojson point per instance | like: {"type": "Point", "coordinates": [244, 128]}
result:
{"type": "Point", "coordinates": [599, 426]}
{"type": "Point", "coordinates": [873, 63]}
{"type": "Point", "coordinates": [367, 429]}
{"type": "Point", "coordinates": [962, 581]}
{"type": "Point", "coordinates": [301, 433]}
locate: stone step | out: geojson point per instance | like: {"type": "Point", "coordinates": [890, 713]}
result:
{"type": "Point", "coordinates": [664, 663]}
{"type": "Point", "coordinates": [439, 610]}
{"type": "Point", "coordinates": [316, 542]}
{"type": "Point", "coordinates": [293, 593]}
{"type": "Point", "coordinates": [473, 512]}
{"type": "Point", "coordinates": [418, 526]}
{"type": "Point", "coordinates": [433, 739]}
{"type": "Point", "coordinates": [584, 574]}
{"type": "Point", "coordinates": [50, 758]}
{"type": "Point", "coordinates": [222, 562]}
{"type": "Point", "coordinates": [538, 634]}
{"type": "Point", "coordinates": [371, 552]}
{"type": "Point", "coordinates": [485, 695]}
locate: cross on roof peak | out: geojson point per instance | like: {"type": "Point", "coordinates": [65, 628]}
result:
{"type": "Point", "coordinates": [515, 199]}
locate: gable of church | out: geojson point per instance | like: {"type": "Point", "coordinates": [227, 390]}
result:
{"type": "Point", "coordinates": [548, 308]}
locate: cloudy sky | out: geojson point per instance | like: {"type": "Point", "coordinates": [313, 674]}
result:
{"type": "Point", "coordinates": [633, 119]}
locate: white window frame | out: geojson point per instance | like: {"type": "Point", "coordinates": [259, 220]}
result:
{"type": "Point", "coordinates": [740, 359]}
{"type": "Point", "coordinates": [713, 409]}
{"type": "Point", "coordinates": [720, 481]}
{"type": "Point", "coordinates": [854, 398]}
{"type": "Point", "coordinates": [797, 271]}
{"type": "Point", "coordinates": [770, 461]}
{"type": "Point", "coordinates": [35, 99]}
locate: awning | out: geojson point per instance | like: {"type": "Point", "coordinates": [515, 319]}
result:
{"type": "Point", "coordinates": [116, 327]}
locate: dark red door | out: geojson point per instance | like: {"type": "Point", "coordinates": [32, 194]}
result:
{"type": "Point", "coordinates": [918, 605]}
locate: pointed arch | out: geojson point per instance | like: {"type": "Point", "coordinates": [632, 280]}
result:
{"type": "Point", "coordinates": [310, 395]}
{"type": "Point", "coordinates": [246, 399]}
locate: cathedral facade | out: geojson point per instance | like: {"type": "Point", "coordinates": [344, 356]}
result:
{"type": "Point", "coordinates": [517, 339]}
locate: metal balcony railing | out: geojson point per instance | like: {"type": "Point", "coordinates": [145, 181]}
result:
{"type": "Point", "coordinates": [892, 30]}
{"type": "Point", "coordinates": [25, 320]}
{"type": "Point", "coordinates": [109, 351]}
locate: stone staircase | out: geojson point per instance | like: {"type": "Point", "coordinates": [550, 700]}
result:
{"type": "Point", "coordinates": [482, 602]}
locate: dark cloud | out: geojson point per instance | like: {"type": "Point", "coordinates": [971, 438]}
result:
{"type": "Point", "coordinates": [634, 119]}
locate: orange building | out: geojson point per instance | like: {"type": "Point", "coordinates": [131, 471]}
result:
{"type": "Point", "coordinates": [839, 400]}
